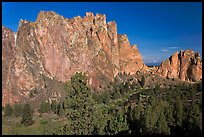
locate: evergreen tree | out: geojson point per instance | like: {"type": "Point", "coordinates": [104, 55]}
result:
{"type": "Point", "coordinates": [193, 114]}
{"type": "Point", "coordinates": [157, 89]}
{"type": "Point", "coordinates": [54, 106]}
{"type": "Point", "coordinates": [162, 127]}
{"type": "Point", "coordinates": [148, 125]}
{"type": "Point", "coordinates": [117, 124]}
{"type": "Point", "coordinates": [142, 81]}
{"type": "Point", "coordinates": [122, 88]}
{"type": "Point", "coordinates": [116, 95]}
{"type": "Point", "coordinates": [80, 108]}
{"type": "Point", "coordinates": [106, 97]}
{"type": "Point", "coordinates": [178, 112]}
{"type": "Point", "coordinates": [97, 98]}
{"type": "Point", "coordinates": [60, 110]}
{"type": "Point", "coordinates": [8, 111]}
{"type": "Point", "coordinates": [27, 116]}
{"type": "Point", "coordinates": [151, 115]}
{"type": "Point", "coordinates": [17, 109]}
{"type": "Point", "coordinates": [169, 115]}
{"type": "Point", "coordinates": [44, 107]}
{"type": "Point", "coordinates": [135, 119]}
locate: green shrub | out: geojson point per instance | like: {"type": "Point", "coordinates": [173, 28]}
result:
{"type": "Point", "coordinates": [17, 109]}
{"type": "Point", "coordinates": [8, 111]}
{"type": "Point", "coordinates": [43, 122]}
{"type": "Point", "coordinates": [27, 117]}
{"type": "Point", "coordinates": [44, 107]}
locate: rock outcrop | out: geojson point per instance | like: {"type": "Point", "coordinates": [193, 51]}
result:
{"type": "Point", "coordinates": [42, 55]}
{"type": "Point", "coordinates": [129, 57]}
{"type": "Point", "coordinates": [8, 52]}
{"type": "Point", "coordinates": [55, 48]}
{"type": "Point", "coordinates": [185, 65]}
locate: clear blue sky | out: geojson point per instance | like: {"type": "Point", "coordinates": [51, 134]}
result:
{"type": "Point", "coordinates": [159, 29]}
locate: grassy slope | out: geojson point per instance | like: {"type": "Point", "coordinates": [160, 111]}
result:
{"type": "Point", "coordinates": [12, 126]}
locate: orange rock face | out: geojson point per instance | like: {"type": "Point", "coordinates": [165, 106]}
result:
{"type": "Point", "coordinates": [185, 65]}
{"type": "Point", "coordinates": [129, 57]}
{"type": "Point", "coordinates": [46, 53]}
{"type": "Point", "coordinates": [8, 45]}
{"type": "Point", "coordinates": [56, 47]}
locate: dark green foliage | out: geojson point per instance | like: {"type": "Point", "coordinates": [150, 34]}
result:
{"type": "Point", "coordinates": [168, 111]}
{"type": "Point", "coordinates": [154, 119]}
{"type": "Point", "coordinates": [27, 116]}
{"type": "Point", "coordinates": [17, 109]}
{"type": "Point", "coordinates": [8, 111]}
{"type": "Point", "coordinates": [106, 97]}
{"type": "Point", "coordinates": [150, 119]}
{"type": "Point", "coordinates": [80, 108]}
{"type": "Point", "coordinates": [116, 95]}
{"type": "Point", "coordinates": [60, 109]}
{"type": "Point", "coordinates": [135, 119]}
{"type": "Point", "coordinates": [199, 87]}
{"type": "Point", "coordinates": [116, 124]}
{"type": "Point", "coordinates": [43, 122]}
{"type": "Point", "coordinates": [44, 107]}
{"type": "Point", "coordinates": [157, 89]}
{"type": "Point", "coordinates": [174, 111]}
{"type": "Point", "coordinates": [162, 125]}
{"type": "Point", "coordinates": [149, 92]}
{"type": "Point", "coordinates": [178, 112]}
{"type": "Point", "coordinates": [142, 82]}
{"type": "Point", "coordinates": [97, 98]}
{"type": "Point", "coordinates": [54, 107]}
{"type": "Point", "coordinates": [193, 120]}
{"type": "Point", "coordinates": [122, 89]}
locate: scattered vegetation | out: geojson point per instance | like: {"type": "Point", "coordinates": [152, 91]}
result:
{"type": "Point", "coordinates": [125, 107]}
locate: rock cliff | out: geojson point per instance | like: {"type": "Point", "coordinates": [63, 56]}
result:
{"type": "Point", "coordinates": [54, 48]}
{"type": "Point", "coordinates": [185, 65]}
{"type": "Point", "coordinates": [44, 54]}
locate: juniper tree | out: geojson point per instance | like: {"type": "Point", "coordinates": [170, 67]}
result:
{"type": "Point", "coordinates": [27, 116]}
{"type": "Point", "coordinates": [17, 109]}
{"type": "Point", "coordinates": [44, 107]}
{"type": "Point", "coordinates": [143, 81]}
{"type": "Point", "coordinates": [83, 116]}
{"type": "Point", "coordinates": [162, 125]}
{"type": "Point", "coordinates": [117, 124]}
{"type": "Point", "coordinates": [8, 111]}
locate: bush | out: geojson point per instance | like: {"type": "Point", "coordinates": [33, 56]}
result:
{"type": "Point", "coordinates": [27, 117]}
{"type": "Point", "coordinates": [43, 122]}
{"type": "Point", "coordinates": [17, 109]}
{"type": "Point", "coordinates": [116, 95]}
{"type": "Point", "coordinates": [44, 107]}
{"type": "Point", "coordinates": [142, 81]}
{"type": "Point", "coordinates": [54, 106]}
{"type": "Point", "coordinates": [8, 111]}
{"type": "Point", "coordinates": [106, 97]}
{"type": "Point", "coordinates": [117, 124]}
